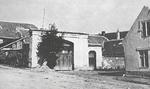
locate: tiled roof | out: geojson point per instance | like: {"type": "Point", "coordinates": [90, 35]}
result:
{"type": "Point", "coordinates": [113, 48]}
{"type": "Point", "coordinates": [96, 40]}
{"type": "Point", "coordinates": [113, 35]}
{"type": "Point", "coordinates": [11, 29]}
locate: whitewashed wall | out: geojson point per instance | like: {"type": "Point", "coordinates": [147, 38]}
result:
{"type": "Point", "coordinates": [36, 38]}
{"type": "Point", "coordinates": [99, 57]}
{"type": "Point", "coordinates": [80, 50]}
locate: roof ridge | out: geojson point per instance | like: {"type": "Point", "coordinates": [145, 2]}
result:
{"type": "Point", "coordinates": [16, 22]}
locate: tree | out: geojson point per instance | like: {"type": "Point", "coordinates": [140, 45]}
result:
{"type": "Point", "coordinates": [48, 48]}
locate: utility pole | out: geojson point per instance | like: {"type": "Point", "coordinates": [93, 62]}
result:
{"type": "Point", "coordinates": [43, 18]}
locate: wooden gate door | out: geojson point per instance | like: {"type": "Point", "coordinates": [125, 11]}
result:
{"type": "Point", "coordinates": [65, 57]}
{"type": "Point", "coordinates": [64, 62]}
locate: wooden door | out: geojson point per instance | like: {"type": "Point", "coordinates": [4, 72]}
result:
{"type": "Point", "coordinates": [64, 62]}
{"type": "Point", "coordinates": [92, 59]}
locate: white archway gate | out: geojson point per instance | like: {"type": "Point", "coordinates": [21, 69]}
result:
{"type": "Point", "coordinates": [80, 54]}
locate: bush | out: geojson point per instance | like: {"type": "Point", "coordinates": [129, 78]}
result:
{"type": "Point", "coordinates": [50, 45]}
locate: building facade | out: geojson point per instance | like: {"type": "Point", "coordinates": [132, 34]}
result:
{"type": "Point", "coordinates": [137, 45]}
{"type": "Point", "coordinates": [86, 55]}
{"type": "Point", "coordinates": [113, 50]}
{"type": "Point", "coordinates": [14, 43]}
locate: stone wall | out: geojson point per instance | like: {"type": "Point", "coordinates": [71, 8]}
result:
{"type": "Point", "coordinates": [113, 63]}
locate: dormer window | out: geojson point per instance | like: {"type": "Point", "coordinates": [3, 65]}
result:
{"type": "Point", "coordinates": [145, 28]}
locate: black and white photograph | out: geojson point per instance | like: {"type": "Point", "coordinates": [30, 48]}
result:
{"type": "Point", "coordinates": [74, 44]}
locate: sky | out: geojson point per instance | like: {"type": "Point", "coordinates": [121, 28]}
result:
{"type": "Point", "coordinates": [87, 16]}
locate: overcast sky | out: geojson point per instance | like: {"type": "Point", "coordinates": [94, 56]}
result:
{"type": "Point", "coordinates": [90, 16]}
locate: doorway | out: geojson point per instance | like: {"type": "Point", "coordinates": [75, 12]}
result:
{"type": "Point", "coordinates": [92, 59]}
{"type": "Point", "coordinates": [65, 57]}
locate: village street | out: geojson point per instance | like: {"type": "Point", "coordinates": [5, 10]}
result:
{"type": "Point", "coordinates": [14, 78]}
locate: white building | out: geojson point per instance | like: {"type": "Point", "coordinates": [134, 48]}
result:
{"type": "Point", "coordinates": [86, 52]}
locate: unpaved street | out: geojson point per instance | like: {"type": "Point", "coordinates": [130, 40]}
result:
{"type": "Point", "coordinates": [14, 78]}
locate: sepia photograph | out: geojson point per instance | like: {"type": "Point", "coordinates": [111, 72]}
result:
{"type": "Point", "coordinates": [74, 44]}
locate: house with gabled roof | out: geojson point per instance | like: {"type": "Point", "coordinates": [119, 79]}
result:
{"type": "Point", "coordinates": [137, 45]}
{"type": "Point", "coordinates": [14, 43]}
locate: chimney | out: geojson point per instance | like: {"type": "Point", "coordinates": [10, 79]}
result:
{"type": "Point", "coordinates": [103, 33]}
{"type": "Point", "coordinates": [118, 34]}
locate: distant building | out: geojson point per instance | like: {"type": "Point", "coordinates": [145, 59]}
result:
{"type": "Point", "coordinates": [114, 47]}
{"type": "Point", "coordinates": [115, 35]}
{"type": "Point", "coordinates": [137, 45]}
{"type": "Point", "coordinates": [14, 43]}
{"type": "Point", "coordinates": [113, 50]}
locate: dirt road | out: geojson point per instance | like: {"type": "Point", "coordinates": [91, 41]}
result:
{"type": "Point", "coordinates": [13, 78]}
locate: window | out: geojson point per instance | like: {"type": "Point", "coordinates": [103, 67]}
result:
{"type": "Point", "coordinates": [144, 58]}
{"type": "Point", "coordinates": [1, 41]}
{"type": "Point", "coordinates": [145, 28]}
